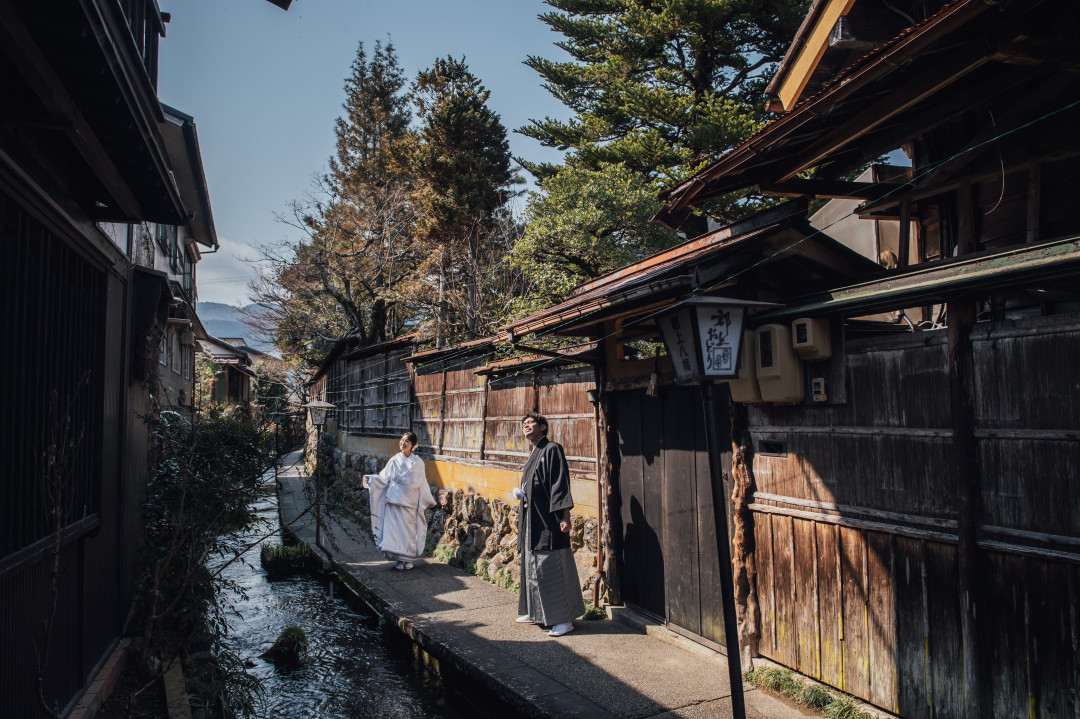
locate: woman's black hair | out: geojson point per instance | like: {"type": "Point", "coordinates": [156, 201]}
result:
{"type": "Point", "coordinates": [411, 436]}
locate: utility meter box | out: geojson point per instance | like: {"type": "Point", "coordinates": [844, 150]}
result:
{"type": "Point", "coordinates": [744, 388]}
{"type": "Point", "coordinates": [810, 337]}
{"type": "Point", "coordinates": [779, 371]}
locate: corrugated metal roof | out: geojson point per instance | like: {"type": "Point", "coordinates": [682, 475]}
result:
{"type": "Point", "coordinates": [909, 286]}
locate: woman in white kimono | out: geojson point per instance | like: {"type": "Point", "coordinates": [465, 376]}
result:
{"type": "Point", "coordinates": [399, 496]}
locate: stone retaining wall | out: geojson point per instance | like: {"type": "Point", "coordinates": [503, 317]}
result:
{"type": "Point", "coordinates": [475, 528]}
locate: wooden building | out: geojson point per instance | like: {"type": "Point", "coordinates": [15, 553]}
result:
{"type": "Point", "coordinates": [100, 192]}
{"type": "Point", "coordinates": [905, 433]}
{"type": "Point", "coordinates": [465, 409]}
{"type": "Point", "coordinates": [910, 516]}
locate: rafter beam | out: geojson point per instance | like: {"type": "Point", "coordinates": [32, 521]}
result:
{"type": "Point", "coordinates": [930, 82]}
{"type": "Point", "coordinates": [40, 74]}
{"type": "Point", "coordinates": [797, 187]}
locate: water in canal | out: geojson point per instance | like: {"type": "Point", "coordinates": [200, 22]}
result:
{"type": "Point", "coordinates": [349, 672]}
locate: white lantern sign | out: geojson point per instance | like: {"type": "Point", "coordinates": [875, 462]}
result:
{"type": "Point", "coordinates": [702, 336]}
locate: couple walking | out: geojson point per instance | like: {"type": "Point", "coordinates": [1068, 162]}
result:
{"type": "Point", "coordinates": [550, 595]}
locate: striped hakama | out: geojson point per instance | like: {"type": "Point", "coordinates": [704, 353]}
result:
{"type": "Point", "coordinates": [550, 586]}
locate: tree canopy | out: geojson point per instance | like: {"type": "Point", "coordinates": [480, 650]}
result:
{"type": "Point", "coordinates": [657, 89]}
{"type": "Point", "coordinates": [358, 222]}
{"type": "Point", "coordinates": [660, 85]}
{"type": "Point", "coordinates": [463, 178]}
{"type": "Point", "coordinates": [586, 223]}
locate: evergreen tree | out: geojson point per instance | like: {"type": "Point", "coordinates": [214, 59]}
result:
{"type": "Point", "coordinates": [342, 280]}
{"type": "Point", "coordinates": [463, 176]}
{"type": "Point", "coordinates": [661, 86]}
{"type": "Point", "coordinates": [586, 223]}
{"type": "Point", "coordinates": [268, 388]}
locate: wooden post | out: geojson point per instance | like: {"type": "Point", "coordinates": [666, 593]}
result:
{"type": "Point", "coordinates": [743, 543]}
{"type": "Point", "coordinates": [903, 247]}
{"type": "Point", "coordinates": [723, 551]}
{"type": "Point", "coordinates": [1034, 203]}
{"type": "Point", "coordinates": [965, 228]}
{"type": "Point", "coordinates": [483, 417]}
{"type": "Point", "coordinates": [442, 410]}
{"type": "Point", "coordinates": [608, 477]}
{"type": "Point", "coordinates": [961, 319]}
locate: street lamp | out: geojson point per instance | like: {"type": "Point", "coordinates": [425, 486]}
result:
{"type": "Point", "coordinates": [702, 337]}
{"type": "Point", "coordinates": [317, 411]}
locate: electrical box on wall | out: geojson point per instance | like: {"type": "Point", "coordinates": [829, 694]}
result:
{"type": "Point", "coordinates": [810, 337]}
{"type": "Point", "coordinates": [744, 388]}
{"type": "Point", "coordinates": [779, 371]}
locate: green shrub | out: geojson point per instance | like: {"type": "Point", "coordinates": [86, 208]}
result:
{"type": "Point", "coordinates": [447, 555]}
{"type": "Point", "coordinates": [833, 704]}
{"type": "Point", "coordinates": [283, 560]}
{"type": "Point", "coordinates": [593, 612]}
{"type": "Point", "coordinates": [290, 646]}
{"type": "Point", "coordinates": [504, 579]}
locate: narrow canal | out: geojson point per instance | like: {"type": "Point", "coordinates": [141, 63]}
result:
{"type": "Point", "coordinates": [351, 671]}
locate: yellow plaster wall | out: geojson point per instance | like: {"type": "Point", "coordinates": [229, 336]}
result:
{"type": "Point", "coordinates": [490, 482]}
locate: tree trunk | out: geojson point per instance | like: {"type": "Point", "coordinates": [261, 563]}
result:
{"type": "Point", "coordinates": [743, 546]}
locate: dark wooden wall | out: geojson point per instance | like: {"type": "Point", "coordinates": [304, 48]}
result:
{"type": "Point", "coordinates": [67, 369]}
{"type": "Point", "coordinates": [856, 525]}
{"type": "Point", "coordinates": [669, 561]}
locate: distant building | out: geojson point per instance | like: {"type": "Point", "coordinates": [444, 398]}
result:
{"type": "Point", "coordinates": [232, 384]}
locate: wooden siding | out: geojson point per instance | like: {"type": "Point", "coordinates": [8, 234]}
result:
{"type": "Point", "coordinates": [70, 352]}
{"type": "Point", "coordinates": [461, 416]}
{"type": "Point", "coordinates": [856, 524]}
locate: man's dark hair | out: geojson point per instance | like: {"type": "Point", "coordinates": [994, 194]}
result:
{"type": "Point", "coordinates": [538, 418]}
{"type": "Point", "coordinates": [411, 436]}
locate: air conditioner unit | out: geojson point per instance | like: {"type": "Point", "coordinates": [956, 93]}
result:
{"type": "Point", "coordinates": [779, 371]}
{"type": "Point", "coordinates": [744, 388]}
{"type": "Point", "coordinates": [810, 337]}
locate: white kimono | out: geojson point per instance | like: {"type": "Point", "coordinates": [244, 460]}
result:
{"type": "Point", "coordinates": [399, 496]}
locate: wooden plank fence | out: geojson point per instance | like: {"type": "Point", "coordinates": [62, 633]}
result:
{"type": "Point", "coordinates": [462, 416]}
{"type": "Point", "coordinates": [857, 532]}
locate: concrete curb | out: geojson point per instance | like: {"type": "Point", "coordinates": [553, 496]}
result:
{"type": "Point", "coordinates": [101, 686]}
{"type": "Point", "coordinates": [176, 696]}
{"type": "Point", "coordinates": [519, 686]}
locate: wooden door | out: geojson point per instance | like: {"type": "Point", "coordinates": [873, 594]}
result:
{"type": "Point", "coordinates": [669, 560]}
{"type": "Point", "coordinates": [639, 429]}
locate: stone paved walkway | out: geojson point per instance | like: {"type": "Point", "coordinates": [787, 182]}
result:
{"type": "Point", "coordinates": [603, 669]}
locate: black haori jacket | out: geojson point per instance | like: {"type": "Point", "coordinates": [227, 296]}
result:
{"type": "Point", "coordinates": [546, 483]}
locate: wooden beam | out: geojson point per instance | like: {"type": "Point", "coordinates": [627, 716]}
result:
{"type": "Point", "coordinates": [1023, 110]}
{"type": "Point", "coordinates": [961, 320]}
{"type": "Point", "coordinates": [37, 70]}
{"type": "Point", "coordinates": [811, 51]}
{"type": "Point", "coordinates": [871, 210]}
{"type": "Point", "coordinates": [584, 359]}
{"type": "Point", "coordinates": [904, 246]}
{"type": "Point", "coordinates": [945, 109]}
{"type": "Point", "coordinates": [937, 78]}
{"type": "Point", "coordinates": [797, 187]}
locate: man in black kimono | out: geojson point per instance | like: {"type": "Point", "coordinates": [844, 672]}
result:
{"type": "Point", "coordinates": [550, 595]}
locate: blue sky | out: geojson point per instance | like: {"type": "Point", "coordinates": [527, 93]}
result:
{"type": "Point", "coordinates": [265, 87]}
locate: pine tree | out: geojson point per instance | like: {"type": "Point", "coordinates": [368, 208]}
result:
{"type": "Point", "coordinates": [343, 279]}
{"type": "Point", "coordinates": [463, 178]}
{"type": "Point", "coordinates": [661, 86]}
{"type": "Point", "coordinates": [584, 224]}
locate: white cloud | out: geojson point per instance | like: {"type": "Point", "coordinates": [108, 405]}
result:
{"type": "Point", "coordinates": [223, 276]}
